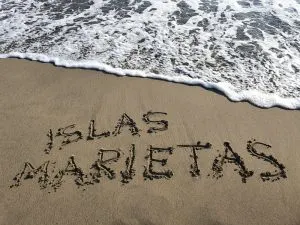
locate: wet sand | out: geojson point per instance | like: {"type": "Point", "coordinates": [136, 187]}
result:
{"type": "Point", "coordinates": [83, 147]}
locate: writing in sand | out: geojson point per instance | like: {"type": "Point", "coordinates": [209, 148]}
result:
{"type": "Point", "coordinates": [103, 168]}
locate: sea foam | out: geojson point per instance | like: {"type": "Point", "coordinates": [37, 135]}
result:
{"type": "Point", "coordinates": [249, 50]}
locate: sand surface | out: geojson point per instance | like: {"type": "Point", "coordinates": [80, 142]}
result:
{"type": "Point", "coordinates": [148, 177]}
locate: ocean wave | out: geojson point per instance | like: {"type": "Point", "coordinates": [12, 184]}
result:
{"type": "Point", "coordinates": [249, 49]}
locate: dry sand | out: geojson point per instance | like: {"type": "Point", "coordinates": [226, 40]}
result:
{"type": "Point", "coordinates": [37, 97]}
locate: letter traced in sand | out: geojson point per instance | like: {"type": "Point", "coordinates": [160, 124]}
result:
{"type": "Point", "coordinates": [92, 132]}
{"type": "Point", "coordinates": [50, 142]}
{"type": "Point", "coordinates": [30, 172]}
{"type": "Point", "coordinates": [128, 174]}
{"type": "Point", "coordinates": [235, 159]}
{"type": "Point", "coordinates": [70, 170]}
{"type": "Point", "coordinates": [163, 124]}
{"type": "Point", "coordinates": [195, 171]}
{"type": "Point", "coordinates": [267, 176]}
{"type": "Point", "coordinates": [125, 120]}
{"type": "Point", "coordinates": [69, 137]}
{"type": "Point", "coordinates": [149, 172]}
{"type": "Point", "coordinates": [101, 163]}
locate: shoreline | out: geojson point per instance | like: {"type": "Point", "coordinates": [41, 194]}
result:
{"type": "Point", "coordinates": [253, 97]}
{"type": "Point", "coordinates": [85, 147]}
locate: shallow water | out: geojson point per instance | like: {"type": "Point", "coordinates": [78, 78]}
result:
{"type": "Point", "coordinates": [249, 50]}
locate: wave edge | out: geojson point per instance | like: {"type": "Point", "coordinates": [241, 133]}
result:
{"type": "Point", "coordinates": [254, 97]}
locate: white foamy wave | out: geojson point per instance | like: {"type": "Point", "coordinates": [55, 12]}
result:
{"type": "Point", "coordinates": [248, 49]}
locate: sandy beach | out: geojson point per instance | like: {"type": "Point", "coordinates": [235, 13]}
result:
{"type": "Point", "coordinates": [84, 147]}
